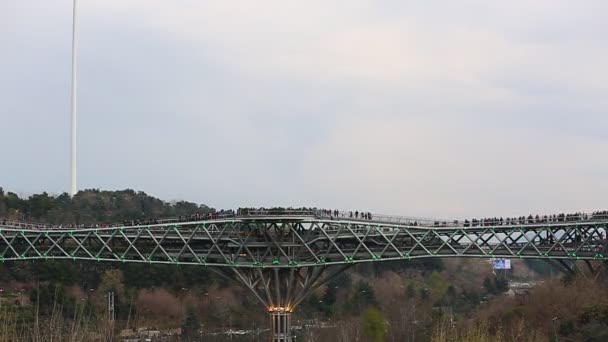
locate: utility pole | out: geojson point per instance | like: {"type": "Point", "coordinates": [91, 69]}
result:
{"type": "Point", "coordinates": [111, 312]}
{"type": "Point", "coordinates": [73, 186]}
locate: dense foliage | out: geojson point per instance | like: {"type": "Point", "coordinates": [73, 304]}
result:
{"type": "Point", "coordinates": [93, 207]}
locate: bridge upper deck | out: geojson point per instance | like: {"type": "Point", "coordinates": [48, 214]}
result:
{"type": "Point", "coordinates": [313, 215]}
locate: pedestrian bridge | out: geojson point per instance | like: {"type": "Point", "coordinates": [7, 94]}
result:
{"type": "Point", "coordinates": [303, 239]}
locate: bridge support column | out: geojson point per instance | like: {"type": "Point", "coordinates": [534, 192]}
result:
{"type": "Point", "coordinates": [281, 289]}
{"type": "Point", "coordinates": [280, 325]}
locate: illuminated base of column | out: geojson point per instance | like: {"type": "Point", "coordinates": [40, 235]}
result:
{"type": "Point", "coordinates": [280, 325]}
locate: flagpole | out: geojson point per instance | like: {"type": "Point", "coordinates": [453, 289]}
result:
{"type": "Point", "coordinates": [73, 186]}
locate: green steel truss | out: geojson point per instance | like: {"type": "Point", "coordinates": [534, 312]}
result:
{"type": "Point", "coordinates": [299, 242]}
{"type": "Point", "coordinates": [282, 259]}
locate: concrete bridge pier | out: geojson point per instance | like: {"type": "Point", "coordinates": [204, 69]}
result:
{"type": "Point", "coordinates": [280, 325]}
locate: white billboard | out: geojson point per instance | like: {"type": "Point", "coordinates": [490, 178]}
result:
{"type": "Point", "coordinates": [501, 264]}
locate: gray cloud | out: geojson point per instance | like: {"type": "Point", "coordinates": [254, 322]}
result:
{"type": "Point", "coordinates": [436, 110]}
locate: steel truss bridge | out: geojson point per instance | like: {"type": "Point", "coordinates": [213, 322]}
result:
{"type": "Point", "coordinates": [282, 258]}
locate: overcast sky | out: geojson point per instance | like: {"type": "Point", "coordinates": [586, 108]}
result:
{"type": "Point", "coordinates": [421, 108]}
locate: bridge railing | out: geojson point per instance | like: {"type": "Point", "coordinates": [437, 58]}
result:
{"type": "Point", "coordinates": [367, 217]}
{"type": "Point", "coordinates": [333, 215]}
{"type": "Point", "coordinates": [276, 212]}
{"type": "Point", "coordinates": [430, 222]}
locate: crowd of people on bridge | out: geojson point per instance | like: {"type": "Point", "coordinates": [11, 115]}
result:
{"type": "Point", "coordinates": [537, 219]}
{"type": "Point", "coordinates": [334, 214]}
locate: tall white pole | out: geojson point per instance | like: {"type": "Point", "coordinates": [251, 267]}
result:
{"type": "Point", "coordinates": [73, 186]}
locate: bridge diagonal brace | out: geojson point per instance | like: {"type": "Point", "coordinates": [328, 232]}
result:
{"type": "Point", "coordinates": [558, 242]}
{"type": "Point", "coordinates": [560, 267]}
{"type": "Point", "coordinates": [529, 242]}
{"type": "Point", "coordinates": [318, 283]}
{"type": "Point", "coordinates": [243, 246]}
{"type": "Point", "coordinates": [55, 244]}
{"type": "Point", "coordinates": [266, 288]}
{"type": "Point", "coordinates": [389, 243]}
{"type": "Point", "coordinates": [31, 244]}
{"type": "Point", "coordinates": [132, 245]}
{"type": "Point", "coordinates": [427, 232]}
{"type": "Point", "coordinates": [186, 244]}
{"type": "Point", "coordinates": [250, 284]}
{"type": "Point", "coordinates": [305, 244]}
{"type": "Point", "coordinates": [79, 243]}
{"type": "Point", "coordinates": [583, 242]}
{"type": "Point", "coordinates": [572, 269]}
{"type": "Point", "coordinates": [356, 236]}
{"type": "Point", "coordinates": [502, 242]}
{"type": "Point", "coordinates": [478, 235]}
{"type": "Point", "coordinates": [9, 245]}
{"type": "Point", "coordinates": [446, 243]}
{"type": "Point", "coordinates": [214, 243]}
{"type": "Point", "coordinates": [280, 249]}
{"type": "Point", "coordinates": [332, 243]}
{"type": "Point", "coordinates": [105, 244]}
{"type": "Point", "coordinates": [158, 244]}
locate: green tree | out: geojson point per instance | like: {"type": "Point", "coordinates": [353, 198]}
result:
{"type": "Point", "coordinates": [489, 285]}
{"type": "Point", "coordinates": [437, 285]}
{"type": "Point", "coordinates": [374, 326]}
{"type": "Point", "coordinates": [410, 292]}
{"type": "Point", "coordinates": [363, 297]}
{"type": "Point", "coordinates": [501, 284]}
{"type": "Point", "coordinates": [190, 326]}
